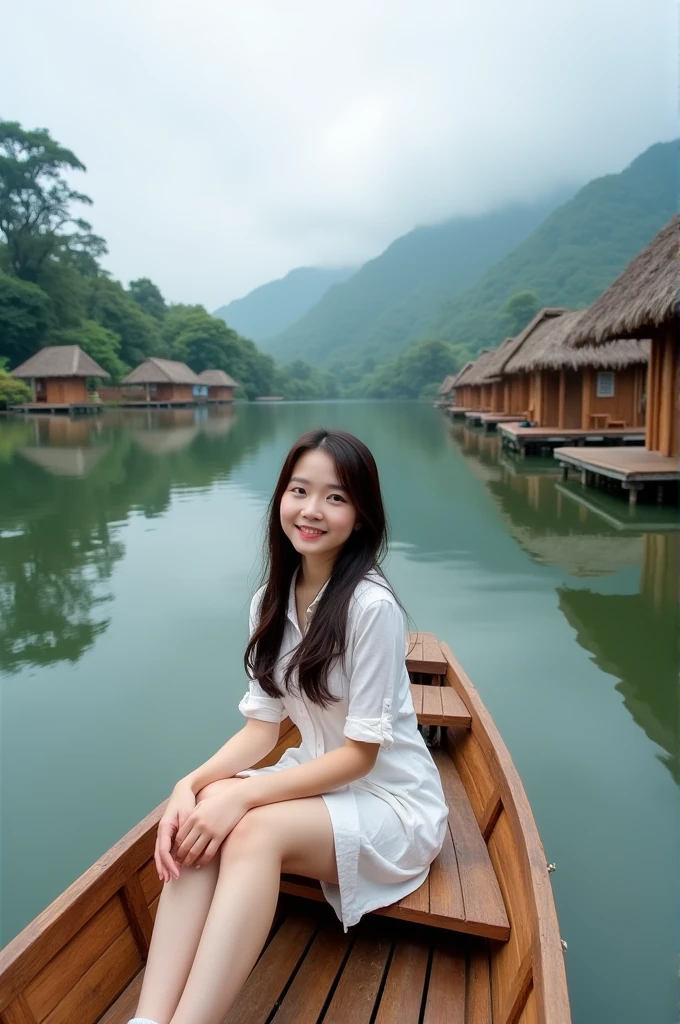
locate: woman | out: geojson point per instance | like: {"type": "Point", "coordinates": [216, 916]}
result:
{"type": "Point", "coordinates": [358, 805]}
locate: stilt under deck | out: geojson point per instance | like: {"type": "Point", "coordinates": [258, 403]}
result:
{"type": "Point", "coordinates": [458, 412]}
{"type": "Point", "coordinates": [544, 440]}
{"type": "Point", "coordinates": [63, 408]}
{"type": "Point", "coordinates": [633, 468]}
{"type": "Point", "coordinates": [490, 420]}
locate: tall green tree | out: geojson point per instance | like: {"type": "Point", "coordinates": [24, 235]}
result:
{"type": "Point", "coordinates": [520, 309]}
{"type": "Point", "coordinates": [148, 297]}
{"type": "Point", "coordinates": [103, 345]}
{"type": "Point", "coordinates": [36, 200]}
{"type": "Point", "coordinates": [24, 318]}
{"type": "Point", "coordinates": [109, 304]}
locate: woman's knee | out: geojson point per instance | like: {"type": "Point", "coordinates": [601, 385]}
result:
{"type": "Point", "coordinates": [253, 835]}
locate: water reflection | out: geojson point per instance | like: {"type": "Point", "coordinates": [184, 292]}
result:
{"type": "Point", "coordinates": [633, 637]}
{"type": "Point", "coordinates": [622, 630]}
{"type": "Point", "coordinates": [64, 498]}
{"type": "Point", "coordinates": [549, 527]}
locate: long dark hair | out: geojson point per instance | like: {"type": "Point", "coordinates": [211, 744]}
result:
{"type": "Point", "coordinates": [325, 640]}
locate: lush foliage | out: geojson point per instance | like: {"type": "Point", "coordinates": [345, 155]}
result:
{"type": "Point", "coordinates": [416, 373]}
{"type": "Point", "coordinates": [576, 252]}
{"type": "Point", "coordinates": [12, 390]}
{"type": "Point", "coordinates": [387, 304]}
{"type": "Point", "coordinates": [271, 308]}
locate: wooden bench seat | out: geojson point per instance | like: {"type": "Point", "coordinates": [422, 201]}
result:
{"type": "Point", "coordinates": [461, 892]}
{"type": "Point", "coordinates": [424, 655]}
{"type": "Point", "coordinates": [439, 705]}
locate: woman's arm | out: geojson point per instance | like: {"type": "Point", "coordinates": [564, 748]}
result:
{"type": "Point", "coordinates": [248, 746]}
{"type": "Point", "coordinates": [330, 771]}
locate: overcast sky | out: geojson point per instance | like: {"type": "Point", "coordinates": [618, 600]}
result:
{"type": "Point", "coordinates": [228, 141]}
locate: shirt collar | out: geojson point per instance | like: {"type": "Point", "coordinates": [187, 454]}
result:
{"type": "Point", "coordinates": [292, 607]}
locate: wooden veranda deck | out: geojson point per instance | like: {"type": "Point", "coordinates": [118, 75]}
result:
{"type": "Point", "coordinates": [544, 440]}
{"type": "Point", "coordinates": [631, 467]}
{"type": "Point", "coordinates": [490, 420]}
{"type": "Point", "coordinates": [63, 408]}
{"type": "Point", "coordinates": [458, 412]}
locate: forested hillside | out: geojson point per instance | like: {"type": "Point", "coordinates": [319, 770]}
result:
{"type": "Point", "coordinates": [390, 300]}
{"type": "Point", "coordinates": [274, 306]}
{"type": "Point", "coordinates": [576, 252]}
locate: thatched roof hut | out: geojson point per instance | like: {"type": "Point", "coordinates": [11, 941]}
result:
{"type": "Point", "coordinates": [546, 347]}
{"type": "Point", "coordinates": [59, 361]}
{"type": "Point", "coordinates": [162, 371]}
{"type": "Point", "coordinates": [479, 371]}
{"type": "Point", "coordinates": [461, 376]}
{"type": "Point", "coordinates": [218, 379]}
{"type": "Point", "coordinates": [448, 385]}
{"type": "Point", "coordinates": [642, 298]}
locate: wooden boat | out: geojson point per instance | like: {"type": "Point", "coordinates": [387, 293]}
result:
{"type": "Point", "coordinates": [478, 943]}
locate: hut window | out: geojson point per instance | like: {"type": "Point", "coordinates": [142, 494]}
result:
{"type": "Point", "coordinates": [605, 385]}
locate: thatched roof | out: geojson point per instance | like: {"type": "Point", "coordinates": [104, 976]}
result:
{"type": "Point", "coordinates": [217, 379]}
{"type": "Point", "coordinates": [461, 376]}
{"type": "Point", "coordinates": [162, 371]}
{"type": "Point", "coordinates": [641, 299]}
{"type": "Point", "coordinates": [448, 385]}
{"type": "Point", "coordinates": [60, 361]}
{"type": "Point", "coordinates": [546, 347]}
{"type": "Point", "coordinates": [477, 374]}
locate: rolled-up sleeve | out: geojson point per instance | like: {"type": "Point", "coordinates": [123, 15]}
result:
{"type": "Point", "coordinates": [376, 667]}
{"type": "Point", "coordinates": [256, 703]}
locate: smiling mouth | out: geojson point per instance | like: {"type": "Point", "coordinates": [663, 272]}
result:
{"type": "Point", "coordinates": [310, 530]}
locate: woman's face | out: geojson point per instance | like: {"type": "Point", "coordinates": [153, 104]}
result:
{"type": "Point", "coordinates": [316, 513]}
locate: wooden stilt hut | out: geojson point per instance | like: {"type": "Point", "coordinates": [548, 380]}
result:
{"type": "Point", "coordinates": [476, 383]}
{"type": "Point", "coordinates": [643, 303]}
{"type": "Point", "coordinates": [165, 382]}
{"type": "Point", "coordinates": [220, 385]}
{"type": "Point", "coordinates": [58, 376]}
{"type": "Point", "coordinates": [446, 391]}
{"type": "Point", "coordinates": [515, 391]}
{"type": "Point", "coordinates": [588, 388]}
{"type": "Point", "coordinates": [460, 391]}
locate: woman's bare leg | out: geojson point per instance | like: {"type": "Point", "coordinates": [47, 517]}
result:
{"type": "Point", "coordinates": [295, 835]}
{"type": "Point", "coordinates": [182, 912]}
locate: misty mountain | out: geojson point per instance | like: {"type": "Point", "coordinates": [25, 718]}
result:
{"type": "Point", "coordinates": [576, 252]}
{"type": "Point", "coordinates": [274, 306]}
{"type": "Point", "coordinates": [388, 302]}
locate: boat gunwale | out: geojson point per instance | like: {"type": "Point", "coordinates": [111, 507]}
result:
{"type": "Point", "coordinates": [548, 967]}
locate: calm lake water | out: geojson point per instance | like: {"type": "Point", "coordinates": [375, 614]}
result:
{"type": "Point", "coordinates": [128, 551]}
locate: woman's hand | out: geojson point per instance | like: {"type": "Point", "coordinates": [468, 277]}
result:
{"type": "Point", "coordinates": [180, 805]}
{"type": "Point", "coordinates": [206, 828]}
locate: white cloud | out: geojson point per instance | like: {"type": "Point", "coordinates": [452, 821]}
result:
{"type": "Point", "coordinates": [228, 142]}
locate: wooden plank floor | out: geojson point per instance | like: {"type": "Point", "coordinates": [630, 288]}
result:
{"type": "Point", "coordinates": [381, 971]}
{"type": "Point", "coordinates": [530, 433]}
{"type": "Point", "coordinates": [636, 464]}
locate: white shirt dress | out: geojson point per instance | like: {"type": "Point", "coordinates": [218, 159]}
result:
{"type": "Point", "coordinates": [390, 825]}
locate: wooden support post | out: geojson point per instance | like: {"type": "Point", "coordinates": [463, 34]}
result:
{"type": "Point", "coordinates": [561, 403]}
{"type": "Point", "coordinates": [565, 470]}
{"type": "Point", "coordinates": [584, 478]}
{"type": "Point", "coordinates": [586, 398]}
{"type": "Point", "coordinates": [632, 488]}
